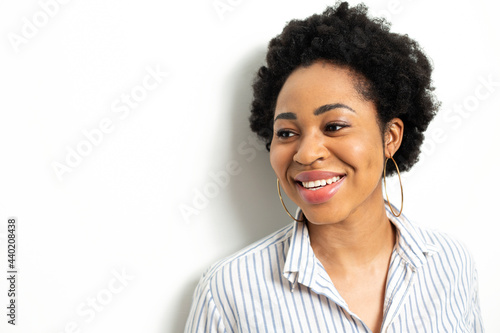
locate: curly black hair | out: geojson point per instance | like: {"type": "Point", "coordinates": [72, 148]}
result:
{"type": "Point", "coordinates": [396, 71]}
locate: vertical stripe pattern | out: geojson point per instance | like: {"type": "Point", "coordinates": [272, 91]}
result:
{"type": "Point", "coordinates": [278, 285]}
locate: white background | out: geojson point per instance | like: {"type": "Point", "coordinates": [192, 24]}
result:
{"type": "Point", "coordinates": [119, 210]}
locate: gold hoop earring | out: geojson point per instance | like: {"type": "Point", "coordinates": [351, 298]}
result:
{"type": "Point", "coordinates": [283, 204]}
{"type": "Point", "coordinates": [400, 185]}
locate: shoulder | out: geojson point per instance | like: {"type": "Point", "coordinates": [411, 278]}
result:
{"type": "Point", "coordinates": [452, 272]}
{"type": "Point", "coordinates": [439, 252]}
{"type": "Point", "coordinates": [445, 243]}
{"type": "Point", "coordinates": [226, 283]}
{"type": "Point", "coordinates": [421, 244]}
{"type": "Point", "coordinates": [447, 253]}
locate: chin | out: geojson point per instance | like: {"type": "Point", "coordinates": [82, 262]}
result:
{"type": "Point", "coordinates": [323, 215]}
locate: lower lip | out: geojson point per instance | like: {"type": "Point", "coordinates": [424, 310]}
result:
{"type": "Point", "coordinates": [322, 195]}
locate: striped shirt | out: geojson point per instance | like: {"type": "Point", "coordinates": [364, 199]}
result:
{"type": "Point", "coordinates": [278, 285]}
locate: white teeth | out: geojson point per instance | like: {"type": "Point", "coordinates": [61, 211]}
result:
{"type": "Point", "coordinates": [317, 184]}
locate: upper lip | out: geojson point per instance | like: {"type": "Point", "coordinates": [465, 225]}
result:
{"type": "Point", "coordinates": [308, 176]}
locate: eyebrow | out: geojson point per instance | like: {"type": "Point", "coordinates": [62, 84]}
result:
{"type": "Point", "coordinates": [328, 107]}
{"type": "Point", "coordinates": [322, 109]}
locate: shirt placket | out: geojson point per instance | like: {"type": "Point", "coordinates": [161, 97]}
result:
{"type": "Point", "coordinates": [397, 295]}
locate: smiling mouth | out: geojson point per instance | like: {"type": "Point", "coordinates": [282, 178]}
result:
{"type": "Point", "coordinates": [314, 185]}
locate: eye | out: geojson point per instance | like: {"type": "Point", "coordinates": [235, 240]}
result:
{"type": "Point", "coordinates": [284, 134]}
{"type": "Point", "coordinates": [334, 127]}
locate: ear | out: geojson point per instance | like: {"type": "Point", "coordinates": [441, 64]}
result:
{"type": "Point", "coordinates": [393, 136]}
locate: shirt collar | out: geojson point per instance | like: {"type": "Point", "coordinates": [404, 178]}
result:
{"type": "Point", "coordinates": [299, 263]}
{"type": "Point", "coordinates": [300, 259]}
{"type": "Point", "coordinates": [410, 245]}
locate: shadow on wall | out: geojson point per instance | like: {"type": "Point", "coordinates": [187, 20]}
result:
{"type": "Point", "coordinates": [183, 307]}
{"type": "Point", "coordinates": [253, 194]}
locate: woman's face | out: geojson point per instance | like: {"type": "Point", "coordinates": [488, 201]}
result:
{"type": "Point", "coordinates": [327, 149]}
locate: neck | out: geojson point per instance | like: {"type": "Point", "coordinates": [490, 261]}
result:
{"type": "Point", "coordinates": [357, 242]}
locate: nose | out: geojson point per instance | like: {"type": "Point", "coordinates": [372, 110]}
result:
{"type": "Point", "coordinates": [311, 148]}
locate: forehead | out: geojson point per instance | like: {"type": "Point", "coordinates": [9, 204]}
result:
{"type": "Point", "coordinates": [320, 83]}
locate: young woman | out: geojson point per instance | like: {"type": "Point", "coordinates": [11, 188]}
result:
{"type": "Point", "coordinates": [341, 104]}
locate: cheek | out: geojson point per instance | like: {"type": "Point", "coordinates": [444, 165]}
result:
{"type": "Point", "coordinates": [362, 153]}
{"type": "Point", "coordinates": [281, 158]}
{"type": "Point", "coordinates": [277, 160]}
